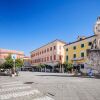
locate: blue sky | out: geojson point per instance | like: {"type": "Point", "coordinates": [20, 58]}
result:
{"type": "Point", "coordinates": [28, 24]}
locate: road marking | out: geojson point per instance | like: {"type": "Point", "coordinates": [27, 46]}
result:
{"type": "Point", "coordinates": [10, 85]}
{"type": "Point", "coordinates": [14, 88]}
{"type": "Point", "coordinates": [18, 94]}
{"type": "Point", "coordinates": [44, 98]}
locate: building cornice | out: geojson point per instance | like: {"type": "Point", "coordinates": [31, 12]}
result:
{"type": "Point", "coordinates": [48, 44]}
{"type": "Point", "coordinates": [80, 40]}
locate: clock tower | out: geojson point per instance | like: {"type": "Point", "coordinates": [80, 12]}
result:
{"type": "Point", "coordinates": [97, 32]}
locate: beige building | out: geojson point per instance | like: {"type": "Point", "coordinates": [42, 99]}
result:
{"type": "Point", "coordinates": [49, 54]}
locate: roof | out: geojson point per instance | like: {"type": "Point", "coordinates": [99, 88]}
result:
{"type": "Point", "coordinates": [49, 43]}
{"type": "Point", "coordinates": [11, 51]}
{"type": "Point", "coordinates": [80, 40]}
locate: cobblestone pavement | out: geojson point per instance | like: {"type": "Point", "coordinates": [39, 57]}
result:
{"type": "Point", "coordinates": [48, 86]}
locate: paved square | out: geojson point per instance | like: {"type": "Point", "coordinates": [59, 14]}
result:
{"type": "Point", "coordinates": [48, 86]}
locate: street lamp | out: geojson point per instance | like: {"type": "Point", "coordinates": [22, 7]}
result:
{"type": "Point", "coordinates": [13, 56]}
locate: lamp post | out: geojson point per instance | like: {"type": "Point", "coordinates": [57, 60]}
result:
{"type": "Point", "coordinates": [13, 56]}
{"type": "Point", "coordinates": [14, 65]}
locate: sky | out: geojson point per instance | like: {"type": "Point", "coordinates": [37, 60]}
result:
{"type": "Point", "coordinates": [28, 24]}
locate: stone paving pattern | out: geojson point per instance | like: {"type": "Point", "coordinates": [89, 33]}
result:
{"type": "Point", "coordinates": [49, 86]}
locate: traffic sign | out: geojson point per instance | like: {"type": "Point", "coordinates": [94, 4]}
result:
{"type": "Point", "coordinates": [13, 56]}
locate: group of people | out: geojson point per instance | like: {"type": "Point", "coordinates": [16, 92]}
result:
{"type": "Point", "coordinates": [77, 70]}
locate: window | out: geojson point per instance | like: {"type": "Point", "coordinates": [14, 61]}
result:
{"type": "Point", "coordinates": [32, 61]}
{"type": "Point", "coordinates": [67, 49]}
{"type": "Point", "coordinates": [82, 66]}
{"type": "Point", "coordinates": [74, 55]}
{"type": "Point", "coordinates": [82, 45]}
{"type": "Point", "coordinates": [50, 48]}
{"type": "Point", "coordinates": [40, 53]}
{"type": "Point", "coordinates": [39, 60]}
{"type": "Point", "coordinates": [98, 30]}
{"type": "Point", "coordinates": [90, 43]}
{"type": "Point", "coordinates": [47, 49]}
{"type": "Point", "coordinates": [60, 47]}
{"type": "Point", "coordinates": [47, 58]}
{"type": "Point", "coordinates": [60, 58]}
{"type": "Point", "coordinates": [42, 59]}
{"type": "Point", "coordinates": [54, 47]}
{"type": "Point", "coordinates": [54, 57]}
{"type": "Point", "coordinates": [82, 54]}
{"type": "Point", "coordinates": [74, 47]}
{"type": "Point", "coordinates": [67, 58]}
{"type": "Point", "coordinates": [50, 57]}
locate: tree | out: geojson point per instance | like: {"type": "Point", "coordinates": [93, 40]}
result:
{"type": "Point", "coordinates": [41, 66]}
{"type": "Point", "coordinates": [9, 63]}
{"type": "Point", "coordinates": [65, 64]}
{"type": "Point", "coordinates": [18, 63]}
{"type": "Point", "coordinates": [68, 66]}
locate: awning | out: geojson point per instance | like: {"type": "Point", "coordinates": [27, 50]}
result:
{"type": "Point", "coordinates": [77, 59]}
{"type": "Point", "coordinates": [53, 64]}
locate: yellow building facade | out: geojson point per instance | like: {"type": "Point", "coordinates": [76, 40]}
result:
{"type": "Point", "coordinates": [76, 52]}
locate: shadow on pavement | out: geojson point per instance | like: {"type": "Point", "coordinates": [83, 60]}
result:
{"type": "Point", "coordinates": [80, 76]}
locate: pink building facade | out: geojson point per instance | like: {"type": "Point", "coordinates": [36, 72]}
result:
{"type": "Point", "coordinates": [4, 53]}
{"type": "Point", "coordinates": [50, 54]}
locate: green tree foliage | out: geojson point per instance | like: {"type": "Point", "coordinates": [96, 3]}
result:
{"type": "Point", "coordinates": [68, 66]}
{"type": "Point", "coordinates": [41, 66]}
{"type": "Point", "coordinates": [8, 64]}
{"type": "Point", "coordinates": [18, 63]}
